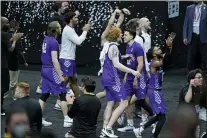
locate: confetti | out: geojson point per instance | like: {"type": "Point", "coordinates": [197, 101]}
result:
{"type": "Point", "coordinates": [34, 17]}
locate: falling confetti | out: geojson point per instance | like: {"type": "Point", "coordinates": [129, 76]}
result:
{"type": "Point", "coordinates": [34, 17]}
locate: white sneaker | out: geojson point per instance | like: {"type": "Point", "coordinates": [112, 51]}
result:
{"type": "Point", "coordinates": [68, 135]}
{"type": "Point", "coordinates": [45, 123]}
{"type": "Point", "coordinates": [39, 91]}
{"type": "Point", "coordinates": [109, 133]}
{"type": "Point", "coordinates": [138, 132]}
{"type": "Point", "coordinates": [120, 120]}
{"type": "Point", "coordinates": [68, 122]}
{"type": "Point", "coordinates": [127, 128]}
{"type": "Point", "coordinates": [203, 135]}
{"type": "Point", "coordinates": [144, 121]}
{"type": "Point", "coordinates": [7, 94]}
{"type": "Point", "coordinates": [102, 135]}
{"type": "Point", "coordinates": [153, 128]}
{"type": "Point", "coordinates": [57, 106]}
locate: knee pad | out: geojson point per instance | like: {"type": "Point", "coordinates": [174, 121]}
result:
{"type": "Point", "coordinates": [45, 96]}
{"type": "Point", "coordinates": [63, 97]}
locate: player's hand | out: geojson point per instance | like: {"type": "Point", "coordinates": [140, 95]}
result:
{"type": "Point", "coordinates": [26, 65]}
{"type": "Point", "coordinates": [62, 79]}
{"type": "Point", "coordinates": [136, 74]}
{"type": "Point", "coordinates": [135, 83]}
{"type": "Point", "coordinates": [17, 36]}
{"type": "Point", "coordinates": [185, 41]}
{"type": "Point", "coordinates": [117, 11]}
{"type": "Point", "coordinates": [126, 11]}
{"type": "Point", "coordinates": [87, 27]}
{"type": "Point", "coordinates": [169, 42]}
{"type": "Point", "coordinates": [100, 72]}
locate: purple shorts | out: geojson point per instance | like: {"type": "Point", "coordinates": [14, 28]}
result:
{"type": "Point", "coordinates": [51, 82]}
{"type": "Point", "coordinates": [141, 92]}
{"type": "Point", "coordinates": [156, 101]}
{"type": "Point", "coordinates": [68, 67]}
{"type": "Point", "coordinates": [115, 93]}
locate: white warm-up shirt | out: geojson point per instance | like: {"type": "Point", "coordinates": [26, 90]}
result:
{"type": "Point", "coordinates": [70, 40]}
{"type": "Point", "coordinates": [139, 40]}
{"type": "Point", "coordinates": [103, 54]}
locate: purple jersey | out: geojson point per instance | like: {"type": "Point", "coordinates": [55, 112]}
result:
{"type": "Point", "coordinates": [49, 44]}
{"type": "Point", "coordinates": [155, 80]}
{"type": "Point", "coordinates": [135, 50]}
{"type": "Point", "coordinates": [111, 76]}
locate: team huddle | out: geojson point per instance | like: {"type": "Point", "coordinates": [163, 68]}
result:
{"type": "Point", "coordinates": [142, 82]}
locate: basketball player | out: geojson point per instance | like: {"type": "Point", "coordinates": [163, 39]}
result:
{"type": "Point", "coordinates": [155, 91]}
{"type": "Point", "coordinates": [112, 82]}
{"type": "Point", "coordinates": [52, 76]}
{"type": "Point", "coordinates": [104, 42]}
{"type": "Point", "coordinates": [144, 39]}
{"type": "Point", "coordinates": [133, 85]}
{"type": "Point", "coordinates": [59, 9]}
{"type": "Point", "coordinates": [134, 24]}
{"type": "Point", "coordinates": [68, 49]}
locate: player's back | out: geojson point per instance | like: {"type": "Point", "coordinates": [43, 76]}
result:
{"type": "Point", "coordinates": [49, 44]}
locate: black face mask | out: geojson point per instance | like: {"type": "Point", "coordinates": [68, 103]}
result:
{"type": "Point", "coordinates": [20, 131]}
{"type": "Point", "coordinates": [5, 28]}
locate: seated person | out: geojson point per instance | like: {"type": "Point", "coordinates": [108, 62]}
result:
{"type": "Point", "coordinates": [31, 106]}
{"type": "Point", "coordinates": [85, 111]}
{"type": "Point", "coordinates": [193, 94]}
{"type": "Point", "coordinates": [17, 123]}
{"type": "Point", "coordinates": [190, 93]}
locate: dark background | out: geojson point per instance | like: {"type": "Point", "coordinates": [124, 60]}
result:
{"type": "Point", "coordinates": [34, 17]}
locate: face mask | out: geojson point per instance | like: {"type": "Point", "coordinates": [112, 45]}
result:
{"type": "Point", "coordinates": [5, 28]}
{"type": "Point", "coordinates": [20, 131]}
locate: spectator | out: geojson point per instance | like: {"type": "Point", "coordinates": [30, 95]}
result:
{"type": "Point", "coordinates": [190, 93]}
{"type": "Point", "coordinates": [85, 110]}
{"type": "Point", "coordinates": [17, 123]}
{"type": "Point", "coordinates": [182, 122]}
{"type": "Point", "coordinates": [7, 45]}
{"type": "Point", "coordinates": [15, 56]}
{"type": "Point", "coordinates": [195, 35]}
{"type": "Point", "coordinates": [32, 107]}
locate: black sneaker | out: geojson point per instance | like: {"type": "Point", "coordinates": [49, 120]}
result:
{"type": "Point", "coordinates": [3, 112]}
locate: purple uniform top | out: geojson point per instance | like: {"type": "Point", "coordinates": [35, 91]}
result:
{"type": "Point", "coordinates": [155, 80]}
{"type": "Point", "coordinates": [49, 44]}
{"type": "Point", "coordinates": [135, 50]}
{"type": "Point", "coordinates": [111, 76]}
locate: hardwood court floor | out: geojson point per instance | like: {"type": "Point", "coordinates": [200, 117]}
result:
{"type": "Point", "coordinates": [173, 81]}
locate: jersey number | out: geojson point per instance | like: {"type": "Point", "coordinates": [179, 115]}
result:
{"type": "Point", "coordinates": [44, 46]}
